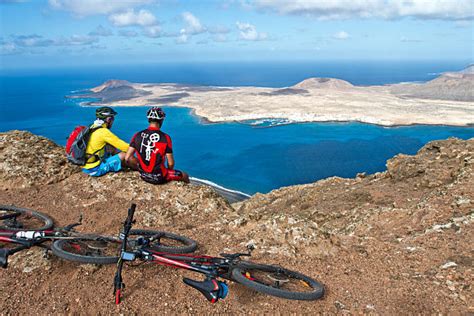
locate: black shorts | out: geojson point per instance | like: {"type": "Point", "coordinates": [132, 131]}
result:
{"type": "Point", "coordinates": [153, 178]}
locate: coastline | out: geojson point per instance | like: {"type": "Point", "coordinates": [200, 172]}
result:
{"type": "Point", "coordinates": [312, 100]}
{"type": "Point", "coordinates": [232, 196]}
{"type": "Point", "coordinates": [206, 121]}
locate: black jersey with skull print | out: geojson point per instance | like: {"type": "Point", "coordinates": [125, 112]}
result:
{"type": "Point", "coordinates": [151, 146]}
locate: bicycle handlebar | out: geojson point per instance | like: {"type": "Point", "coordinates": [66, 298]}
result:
{"type": "Point", "coordinates": [131, 211]}
{"type": "Point", "coordinates": [127, 226]}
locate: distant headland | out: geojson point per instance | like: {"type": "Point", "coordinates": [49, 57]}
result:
{"type": "Point", "coordinates": [445, 100]}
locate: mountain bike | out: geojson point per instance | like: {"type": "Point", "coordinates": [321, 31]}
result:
{"type": "Point", "coordinates": [268, 279]}
{"type": "Point", "coordinates": [30, 228]}
{"type": "Point", "coordinates": [22, 228]}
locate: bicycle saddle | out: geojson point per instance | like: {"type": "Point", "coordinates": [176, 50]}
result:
{"type": "Point", "coordinates": [212, 289]}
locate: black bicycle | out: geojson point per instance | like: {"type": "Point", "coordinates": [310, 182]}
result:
{"type": "Point", "coordinates": [22, 228]}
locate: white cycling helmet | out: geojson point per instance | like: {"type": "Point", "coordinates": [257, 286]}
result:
{"type": "Point", "coordinates": [155, 113]}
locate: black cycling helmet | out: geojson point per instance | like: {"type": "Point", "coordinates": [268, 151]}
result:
{"type": "Point", "coordinates": [155, 113]}
{"type": "Point", "coordinates": [105, 112]}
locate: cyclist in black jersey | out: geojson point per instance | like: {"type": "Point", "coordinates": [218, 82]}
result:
{"type": "Point", "coordinates": [154, 151]}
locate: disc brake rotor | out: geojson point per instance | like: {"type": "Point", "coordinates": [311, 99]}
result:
{"type": "Point", "coordinates": [97, 245]}
{"type": "Point", "coordinates": [278, 279]}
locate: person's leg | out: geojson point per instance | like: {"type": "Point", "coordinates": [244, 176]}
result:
{"type": "Point", "coordinates": [111, 164]}
{"type": "Point", "coordinates": [185, 177]}
{"type": "Point", "coordinates": [177, 175]}
{"type": "Point", "coordinates": [93, 172]}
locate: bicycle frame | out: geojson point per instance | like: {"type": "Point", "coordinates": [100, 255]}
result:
{"type": "Point", "coordinates": [24, 243]}
{"type": "Point", "coordinates": [206, 265]}
{"type": "Point", "coordinates": [211, 267]}
{"type": "Point", "coordinates": [30, 238]}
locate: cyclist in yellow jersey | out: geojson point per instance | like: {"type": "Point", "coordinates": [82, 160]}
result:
{"type": "Point", "coordinates": [105, 151]}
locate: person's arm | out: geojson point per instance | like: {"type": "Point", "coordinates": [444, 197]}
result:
{"type": "Point", "coordinates": [111, 139]}
{"type": "Point", "coordinates": [170, 160]}
{"type": "Point", "coordinates": [129, 154]}
{"type": "Point", "coordinates": [169, 153]}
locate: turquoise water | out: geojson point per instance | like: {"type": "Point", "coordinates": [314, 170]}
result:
{"type": "Point", "coordinates": [235, 155]}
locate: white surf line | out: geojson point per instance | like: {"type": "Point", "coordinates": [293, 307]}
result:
{"type": "Point", "coordinates": [212, 184]}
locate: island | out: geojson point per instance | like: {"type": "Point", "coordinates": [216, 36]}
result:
{"type": "Point", "coordinates": [445, 100]}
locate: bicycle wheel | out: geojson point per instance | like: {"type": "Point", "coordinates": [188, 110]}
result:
{"type": "Point", "coordinates": [277, 281]}
{"type": "Point", "coordinates": [95, 251]}
{"type": "Point", "coordinates": [168, 242]}
{"type": "Point", "coordinates": [16, 218]}
{"type": "Point", "coordinates": [106, 250]}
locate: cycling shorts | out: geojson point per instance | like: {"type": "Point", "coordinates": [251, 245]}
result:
{"type": "Point", "coordinates": [171, 175]}
{"type": "Point", "coordinates": [110, 164]}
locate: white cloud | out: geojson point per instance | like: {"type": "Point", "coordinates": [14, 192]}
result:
{"type": "Point", "coordinates": [93, 7]}
{"type": "Point", "coordinates": [76, 40]}
{"type": "Point", "coordinates": [192, 24]}
{"type": "Point", "coordinates": [341, 35]}
{"type": "Point", "coordinates": [101, 31]}
{"type": "Point", "coordinates": [248, 32]}
{"type": "Point", "coordinates": [152, 31]}
{"type": "Point", "coordinates": [386, 9]}
{"type": "Point", "coordinates": [182, 39]}
{"type": "Point", "coordinates": [129, 17]}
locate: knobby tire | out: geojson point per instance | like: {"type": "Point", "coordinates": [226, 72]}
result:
{"type": "Point", "coordinates": [312, 289]}
{"type": "Point", "coordinates": [45, 221]}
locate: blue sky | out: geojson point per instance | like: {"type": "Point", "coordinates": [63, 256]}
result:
{"type": "Point", "coordinates": [77, 32]}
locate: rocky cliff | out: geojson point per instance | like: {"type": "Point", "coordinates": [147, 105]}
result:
{"type": "Point", "coordinates": [394, 242]}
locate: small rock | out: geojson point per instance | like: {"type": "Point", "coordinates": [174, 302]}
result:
{"type": "Point", "coordinates": [339, 305]}
{"type": "Point", "coordinates": [370, 307]}
{"type": "Point", "coordinates": [448, 265]}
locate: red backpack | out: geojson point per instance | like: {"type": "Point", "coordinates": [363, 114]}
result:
{"type": "Point", "coordinates": [77, 143]}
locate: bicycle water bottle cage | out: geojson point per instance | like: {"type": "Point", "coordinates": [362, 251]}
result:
{"type": "Point", "coordinates": [212, 289]}
{"type": "Point", "coordinates": [3, 258]}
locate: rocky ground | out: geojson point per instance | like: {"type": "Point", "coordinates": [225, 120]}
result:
{"type": "Point", "coordinates": [396, 242]}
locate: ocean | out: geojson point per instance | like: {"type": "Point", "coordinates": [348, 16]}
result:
{"type": "Point", "coordinates": [247, 157]}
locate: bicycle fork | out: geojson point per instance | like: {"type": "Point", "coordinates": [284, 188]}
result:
{"type": "Point", "coordinates": [118, 282]}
